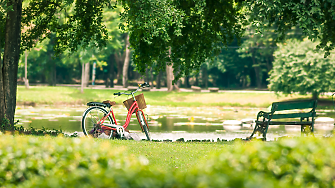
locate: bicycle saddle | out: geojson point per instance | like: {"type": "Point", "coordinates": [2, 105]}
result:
{"type": "Point", "coordinates": [103, 104]}
{"type": "Point", "coordinates": [111, 103]}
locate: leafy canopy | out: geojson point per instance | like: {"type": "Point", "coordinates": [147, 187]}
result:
{"type": "Point", "coordinates": [301, 67]}
{"type": "Point", "coordinates": [75, 23]}
{"type": "Point", "coordinates": [315, 17]}
{"type": "Point", "coordinates": [191, 30]}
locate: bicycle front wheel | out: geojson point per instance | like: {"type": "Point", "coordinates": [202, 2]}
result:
{"type": "Point", "coordinates": [144, 124]}
{"type": "Point", "coordinates": [91, 118]}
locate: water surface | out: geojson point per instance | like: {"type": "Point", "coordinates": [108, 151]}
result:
{"type": "Point", "coordinates": [166, 123]}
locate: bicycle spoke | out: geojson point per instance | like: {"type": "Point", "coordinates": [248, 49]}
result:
{"type": "Point", "coordinates": [91, 119]}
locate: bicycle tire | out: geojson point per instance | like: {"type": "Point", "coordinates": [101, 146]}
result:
{"type": "Point", "coordinates": [90, 119]}
{"type": "Point", "coordinates": [144, 124]}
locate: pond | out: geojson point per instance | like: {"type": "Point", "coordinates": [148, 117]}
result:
{"type": "Point", "coordinates": [167, 123]}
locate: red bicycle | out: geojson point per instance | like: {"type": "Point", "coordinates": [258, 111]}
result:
{"type": "Point", "coordinates": [97, 120]}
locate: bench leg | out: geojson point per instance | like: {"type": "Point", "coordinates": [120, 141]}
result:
{"type": "Point", "coordinates": [261, 129]}
{"type": "Point", "coordinates": [306, 129]}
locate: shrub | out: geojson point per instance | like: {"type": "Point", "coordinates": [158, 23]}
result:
{"type": "Point", "coordinates": [6, 127]}
{"type": "Point", "coordinates": [289, 162]}
{"type": "Point", "coordinates": [65, 162]}
{"type": "Point", "coordinates": [27, 157]}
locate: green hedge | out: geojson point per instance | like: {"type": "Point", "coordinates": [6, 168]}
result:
{"type": "Point", "coordinates": [289, 162]}
{"type": "Point", "coordinates": [65, 162]}
{"type": "Point", "coordinates": [29, 157]}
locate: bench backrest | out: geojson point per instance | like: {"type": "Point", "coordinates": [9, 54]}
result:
{"type": "Point", "coordinates": [291, 105]}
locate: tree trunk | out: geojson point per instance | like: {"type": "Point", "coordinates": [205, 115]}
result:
{"type": "Point", "coordinates": [257, 71]}
{"type": "Point", "coordinates": [119, 59]}
{"type": "Point", "coordinates": [111, 70]}
{"type": "Point", "coordinates": [169, 77]}
{"type": "Point", "coordinates": [204, 77]}
{"type": "Point", "coordinates": [147, 76]}
{"type": "Point", "coordinates": [151, 80]}
{"type": "Point", "coordinates": [118, 74]}
{"type": "Point", "coordinates": [82, 78]}
{"type": "Point", "coordinates": [196, 80]}
{"type": "Point", "coordinates": [26, 81]}
{"type": "Point", "coordinates": [158, 80]}
{"type": "Point", "coordinates": [54, 72]}
{"type": "Point", "coordinates": [9, 67]}
{"type": "Point", "coordinates": [87, 74]}
{"type": "Point", "coordinates": [51, 73]}
{"type": "Point", "coordinates": [187, 82]}
{"type": "Point", "coordinates": [315, 95]}
{"type": "Point", "coordinates": [126, 64]}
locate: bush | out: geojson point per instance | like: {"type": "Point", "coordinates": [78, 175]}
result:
{"type": "Point", "coordinates": [27, 158]}
{"type": "Point", "coordinates": [6, 127]}
{"type": "Point", "coordinates": [289, 162]}
{"type": "Point", "coordinates": [65, 162]}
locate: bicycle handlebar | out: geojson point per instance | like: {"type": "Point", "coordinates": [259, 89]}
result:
{"type": "Point", "coordinates": [117, 93]}
{"type": "Point", "coordinates": [145, 84]}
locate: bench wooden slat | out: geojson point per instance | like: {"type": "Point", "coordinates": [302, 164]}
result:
{"type": "Point", "coordinates": [285, 123]}
{"type": "Point", "coordinates": [279, 106]}
{"type": "Point", "coordinates": [292, 115]}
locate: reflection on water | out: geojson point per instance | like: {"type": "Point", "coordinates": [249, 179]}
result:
{"type": "Point", "coordinates": [167, 123]}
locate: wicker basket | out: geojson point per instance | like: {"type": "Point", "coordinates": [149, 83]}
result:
{"type": "Point", "coordinates": [140, 101]}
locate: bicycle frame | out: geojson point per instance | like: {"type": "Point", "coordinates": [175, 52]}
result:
{"type": "Point", "coordinates": [134, 108]}
{"type": "Point", "coordinates": [116, 130]}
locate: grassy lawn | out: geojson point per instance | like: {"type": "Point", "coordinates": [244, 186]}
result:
{"type": "Point", "coordinates": [70, 95]}
{"type": "Point", "coordinates": [171, 155]}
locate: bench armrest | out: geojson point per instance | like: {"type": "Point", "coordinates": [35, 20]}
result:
{"type": "Point", "coordinates": [264, 114]}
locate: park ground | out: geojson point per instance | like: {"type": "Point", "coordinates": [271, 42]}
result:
{"type": "Point", "coordinates": [172, 159]}
{"type": "Point", "coordinates": [71, 95]}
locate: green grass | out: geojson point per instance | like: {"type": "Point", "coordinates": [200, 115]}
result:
{"type": "Point", "coordinates": [70, 95]}
{"type": "Point", "coordinates": [171, 155]}
{"type": "Point", "coordinates": [164, 156]}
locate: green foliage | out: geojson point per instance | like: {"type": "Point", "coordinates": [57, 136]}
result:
{"type": "Point", "coordinates": [3, 10]}
{"type": "Point", "coordinates": [61, 162]}
{"type": "Point", "coordinates": [43, 63]}
{"type": "Point", "coordinates": [316, 18]}
{"type": "Point", "coordinates": [75, 23]}
{"type": "Point", "coordinates": [5, 125]}
{"type": "Point", "coordinates": [25, 158]}
{"type": "Point", "coordinates": [300, 67]}
{"type": "Point", "coordinates": [293, 162]}
{"type": "Point", "coordinates": [192, 30]}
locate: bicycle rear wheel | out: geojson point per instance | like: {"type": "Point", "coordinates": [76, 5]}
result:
{"type": "Point", "coordinates": [143, 122]}
{"type": "Point", "coordinates": [90, 120]}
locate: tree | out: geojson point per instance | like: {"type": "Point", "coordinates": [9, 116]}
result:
{"type": "Point", "coordinates": [193, 30]}
{"type": "Point", "coordinates": [9, 66]}
{"type": "Point", "coordinates": [111, 53]}
{"type": "Point", "coordinates": [316, 18]}
{"type": "Point", "coordinates": [301, 67]}
{"type": "Point", "coordinates": [82, 27]}
{"type": "Point", "coordinates": [42, 62]}
{"type": "Point", "coordinates": [259, 47]}
{"type": "Point", "coordinates": [196, 30]}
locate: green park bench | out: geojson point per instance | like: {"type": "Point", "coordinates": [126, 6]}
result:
{"type": "Point", "coordinates": [289, 112]}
